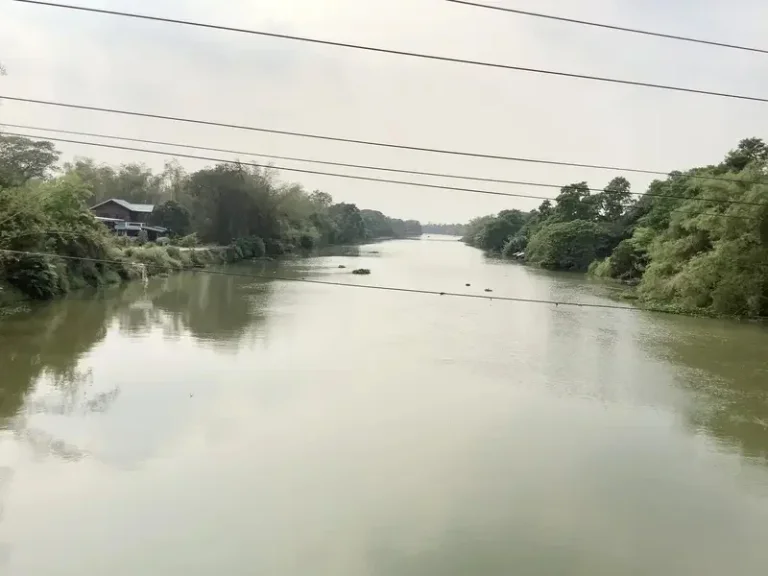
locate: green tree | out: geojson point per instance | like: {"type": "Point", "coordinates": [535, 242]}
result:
{"type": "Point", "coordinates": [749, 150]}
{"type": "Point", "coordinates": [173, 216]}
{"type": "Point", "coordinates": [615, 198]}
{"type": "Point", "coordinates": [576, 203]}
{"type": "Point", "coordinates": [22, 159]}
{"type": "Point", "coordinates": [322, 200]}
{"type": "Point", "coordinates": [571, 245]}
{"type": "Point", "coordinates": [495, 233]}
{"type": "Point", "coordinates": [349, 223]}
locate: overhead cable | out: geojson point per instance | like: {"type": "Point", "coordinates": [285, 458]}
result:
{"type": "Point", "coordinates": [370, 142]}
{"type": "Point", "coordinates": [419, 55]}
{"type": "Point", "coordinates": [609, 26]}
{"type": "Point", "coordinates": [328, 138]}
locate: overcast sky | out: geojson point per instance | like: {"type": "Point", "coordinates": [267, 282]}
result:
{"type": "Point", "coordinates": [221, 76]}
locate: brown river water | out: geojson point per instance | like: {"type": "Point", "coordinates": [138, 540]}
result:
{"type": "Point", "coordinates": [224, 424]}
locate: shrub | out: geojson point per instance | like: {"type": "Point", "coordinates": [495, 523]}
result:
{"type": "Point", "coordinates": [274, 247]}
{"type": "Point", "coordinates": [189, 241]}
{"type": "Point", "coordinates": [565, 245]}
{"type": "Point", "coordinates": [35, 276]}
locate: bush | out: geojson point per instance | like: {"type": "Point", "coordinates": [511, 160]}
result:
{"type": "Point", "coordinates": [35, 276]}
{"type": "Point", "coordinates": [601, 268]}
{"type": "Point", "coordinates": [189, 241]}
{"type": "Point", "coordinates": [251, 247]}
{"type": "Point", "coordinates": [123, 241]}
{"type": "Point", "coordinates": [156, 260]}
{"type": "Point", "coordinates": [565, 245]}
{"type": "Point", "coordinates": [307, 242]}
{"type": "Point", "coordinates": [274, 247]}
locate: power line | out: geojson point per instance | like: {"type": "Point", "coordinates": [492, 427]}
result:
{"type": "Point", "coordinates": [364, 142]}
{"type": "Point", "coordinates": [372, 142]}
{"type": "Point", "coordinates": [276, 157]}
{"type": "Point", "coordinates": [347, 285]}
{"type": "Point", "coordinates": [329, 138]}
{"type": "Point", "coordinates": [385, 180]}
{"type": "Point", "coordinates": [609, 26]}
{"type": "Point", "coordinates": [419, 55]}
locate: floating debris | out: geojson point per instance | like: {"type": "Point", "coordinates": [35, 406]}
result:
{"type": "Point", "coordinates": [361, 271]}
{"type": "Point", "coordinates": [467, 284]}
{"type": "Point", "coordinates": [488, 290]}
{"type": "Point", "coordinates": [342, 266]}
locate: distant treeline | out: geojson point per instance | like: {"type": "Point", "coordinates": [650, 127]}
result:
{"type": "Point", "coordinates": [697, 242]}
{"type": "Point", "coordinates": [447, 229]}
{"type": "Point", "coordinates": [45, 208]}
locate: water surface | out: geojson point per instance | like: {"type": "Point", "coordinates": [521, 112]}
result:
{"type": "Point", "coordinates": [222, 423]}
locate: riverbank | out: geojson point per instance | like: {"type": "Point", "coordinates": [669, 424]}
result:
{"type": "Point", "coordinates": [42, 276]}
{"type": "Point", "coordinates": [45, 277]}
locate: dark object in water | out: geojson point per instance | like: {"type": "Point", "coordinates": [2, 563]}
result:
{"type": "Point", "coordinates": [488, 290]}
{"type": "Point", "coordinates": [342, 266]}
{"type": "Point", "coordinates": [361, 271]}
{"type": "Point", "coordinates": [467, 284]}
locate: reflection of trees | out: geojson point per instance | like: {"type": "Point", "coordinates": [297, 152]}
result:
{"type": "Point", "coordinates": [50, 340]}
{"type": "Point", "coordinates": [728, 374]}
{"type": "Point", "coordinates": [219, 307]}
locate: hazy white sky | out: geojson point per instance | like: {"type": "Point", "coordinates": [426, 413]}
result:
{"type": "Point", "coordinates": [122, 63]}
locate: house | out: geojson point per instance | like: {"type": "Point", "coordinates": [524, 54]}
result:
{"type": "Point", "coordinates": [126, 218]}
{"type": "Point", "coordinates": [116, 209]}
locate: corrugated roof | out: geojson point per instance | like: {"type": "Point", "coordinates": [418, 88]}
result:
{"type": "Point", "coordinates": [147, 208]}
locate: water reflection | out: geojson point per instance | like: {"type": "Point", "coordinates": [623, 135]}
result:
{"type": "Point", "coordinates": [42, 350]}
{"type": "Point", "coordinates": [724, 365]}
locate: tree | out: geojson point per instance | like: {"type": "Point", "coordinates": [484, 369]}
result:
{"type": "Point", "coordinates": [615, 198]}
{"type": "Point", "coordinates": [565, 245]}
{"type": "Point", "coordinates": [230, 202]}
{"type": "Point", "coordinates": [322, 200]}
{"type": "Point", "coordinates": [136, 183]}
{"type": "Point", "coordinates": [99, 178]}
{"type": "Point", "coordinates": [377, 225]}
{"type": "Point", "coordinates": [173, 216]}
{"type": "Point", "coordinates": [575, 203]}
{"type": "Point", "coordinates": [413, 228]}
{"type": "Point", "coordinates": [495, 233]}
{"type": "Point", "coordinates": [349, 223]}
{"type": "Point", "coordinates": [22, 159]}
{"type": "Point", "coordinates": [749, 150]}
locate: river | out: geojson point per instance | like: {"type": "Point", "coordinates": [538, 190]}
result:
{"type": "Point", "coordinates": [225, 424]}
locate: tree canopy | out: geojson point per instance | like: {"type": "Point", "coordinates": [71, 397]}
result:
{"type": "Point", "coordinates": [697, 241]}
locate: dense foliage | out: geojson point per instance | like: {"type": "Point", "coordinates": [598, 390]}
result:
{"type": "Point", "coordinates": [697, 241]}
{"type": "Point", "coordinates": [380, 226]}
{"type": "Point", "coordinates": [447, 229]}
{"type": "Point", "coordinates": [244, 210]}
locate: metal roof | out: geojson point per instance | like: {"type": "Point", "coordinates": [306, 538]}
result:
{"type": "Point", "coordinates": [146, 208]}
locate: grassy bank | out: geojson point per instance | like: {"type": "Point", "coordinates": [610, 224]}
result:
{"type": "Point", "coordinates": [42, 276]}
